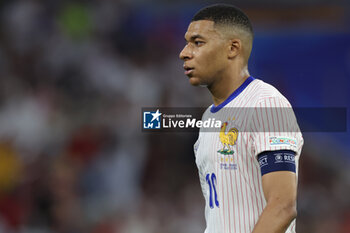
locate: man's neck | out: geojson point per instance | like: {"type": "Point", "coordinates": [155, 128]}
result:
{"type": "Point", "coordinates": [225, 86]}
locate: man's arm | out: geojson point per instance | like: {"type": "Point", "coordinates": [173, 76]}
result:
{"type": "Point", "coordinates": [280, 190]}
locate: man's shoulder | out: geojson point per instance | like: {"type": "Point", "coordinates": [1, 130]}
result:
{"type": "Point", "coordinates": [266, 91]}
{"type": "Point", "coordinates": [257, 92]}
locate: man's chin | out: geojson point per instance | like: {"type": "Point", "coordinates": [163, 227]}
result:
{"type": "Point", "coordinates": [194, 81]}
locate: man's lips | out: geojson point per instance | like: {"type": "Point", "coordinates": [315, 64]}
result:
{"type": "Point", "coordinates": [188, 69]}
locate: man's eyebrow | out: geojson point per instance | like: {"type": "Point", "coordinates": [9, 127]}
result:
{"type": "Point", "coordinates": [196, 36]}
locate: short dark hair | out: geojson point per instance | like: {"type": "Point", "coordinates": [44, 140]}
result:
{"type": "Point", "coordinates": [225, 14]}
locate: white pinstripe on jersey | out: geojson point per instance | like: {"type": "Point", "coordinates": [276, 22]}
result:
{"type": "Point", "coordinates": [261, 115]}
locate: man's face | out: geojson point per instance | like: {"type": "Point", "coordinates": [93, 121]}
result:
{"type": "Point", "coordinates": [205, 54]}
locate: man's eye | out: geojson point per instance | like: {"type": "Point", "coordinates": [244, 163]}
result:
{"type": "Point", "coordinates": [198, 43]}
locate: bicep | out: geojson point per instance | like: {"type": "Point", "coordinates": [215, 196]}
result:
{"type": "Point", "coordinates": [280, 186]}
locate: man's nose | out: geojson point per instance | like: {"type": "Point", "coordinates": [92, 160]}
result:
{"type": "Point", "coordinates": [185, 54]}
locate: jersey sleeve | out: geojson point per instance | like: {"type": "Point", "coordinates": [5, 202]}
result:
{"type": "Point", "coordinates": [274, 126]}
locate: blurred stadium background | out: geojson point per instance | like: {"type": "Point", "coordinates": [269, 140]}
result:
{"type": "Point", "coordinates": [75, 74]}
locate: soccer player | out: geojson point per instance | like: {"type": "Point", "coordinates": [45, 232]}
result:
{"type": "Point", "coordinates": [248, 169]}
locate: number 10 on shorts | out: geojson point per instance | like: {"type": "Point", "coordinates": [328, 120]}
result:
{"type": "Point", "coordinates": [211, 180]}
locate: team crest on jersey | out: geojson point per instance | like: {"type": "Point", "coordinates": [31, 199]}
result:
{"type": "Point", "coordinates": [227, 139]}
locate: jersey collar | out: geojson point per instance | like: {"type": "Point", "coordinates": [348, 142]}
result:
{"type": "Point", "coordinates": [238, 91]}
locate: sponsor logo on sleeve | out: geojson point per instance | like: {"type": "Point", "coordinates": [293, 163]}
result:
{"type": "Point", "coordinates": [280, 141]}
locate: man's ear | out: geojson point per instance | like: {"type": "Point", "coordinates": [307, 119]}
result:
{"type": "Point", "coordinates": [235, 48]}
